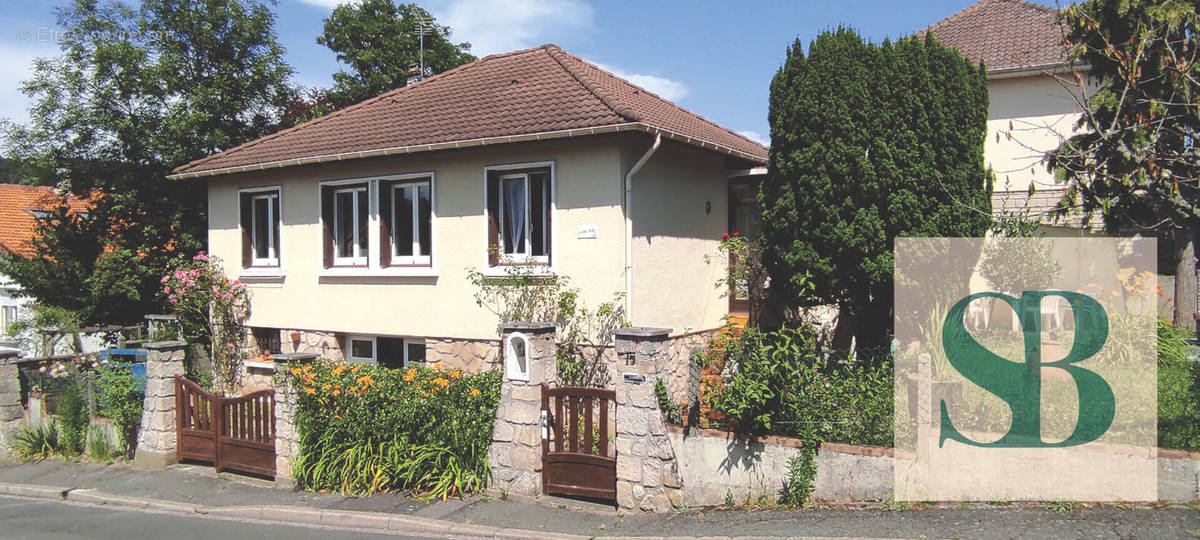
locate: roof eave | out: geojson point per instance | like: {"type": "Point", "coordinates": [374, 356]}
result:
{"type": "Point", "coordinates": [1056, 68]}
{"type": "Point", "coordinates": [470, 143]}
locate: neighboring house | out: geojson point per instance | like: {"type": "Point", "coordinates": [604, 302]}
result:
{"type": "Point", "coordinates": [356, 231]}
{"type": "Point", "coordinates": [1033, 103]}
{"type": "Point", "coordinates": [20, 206]}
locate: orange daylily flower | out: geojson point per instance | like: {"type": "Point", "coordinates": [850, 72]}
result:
{"type": "Point", "coordinates": [474, 392]}
{"type": "Point", "coordinates": [310, 390]}
{"type": "Point", "coordinates": [410, 375]}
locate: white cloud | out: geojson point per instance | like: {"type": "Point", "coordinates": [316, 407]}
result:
{"type": "Point", "coordinates": [668, 89]}
{"type": "Point", "coordinates": [325, 3]}
{"type": "Point", "coordinates": [494, 27]}
{"type": "Point", "coordinates": [756, 137]}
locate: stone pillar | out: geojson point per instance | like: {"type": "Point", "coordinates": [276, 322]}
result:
{"type": "Point", "coordinates": [11, 408]}
{"type": "Point", "coordinates": [648, 478]}
{"type": "Point", "coordinates": [287, 439]}
{"type": "Point", "coordinates": [157, 437]}
{"type": "Point", "coordinates": [516, 450]}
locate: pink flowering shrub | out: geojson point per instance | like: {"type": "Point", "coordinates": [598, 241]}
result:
{"type": "Point", "coordinates": [212, 310]}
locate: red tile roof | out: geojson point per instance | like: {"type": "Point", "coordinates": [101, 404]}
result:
{"type": "Point", "coordinates": [17, 222]}
{"type": "Point", "coordinates": [1008, 35]}
{"type": "Point", "coordinates": [533, 94]}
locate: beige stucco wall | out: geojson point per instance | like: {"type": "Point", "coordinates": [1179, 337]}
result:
{"type": "Point", "coordinates": [587, 192]}
{"type": "Point", "coordinates": [673, 285]}
{"type": "Point", "coordinates": [1027, 117]}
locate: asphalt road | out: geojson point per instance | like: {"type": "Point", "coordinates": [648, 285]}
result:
{"type": "Point", "coordinates": [29, 518]}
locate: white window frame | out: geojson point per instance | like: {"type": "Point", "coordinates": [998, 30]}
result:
{"type": "Point", "coordinates": [375, 243]}
{"type": "Point", "coordinates": [272, 258]}
{"type": "Point", "coordinates": [414, 259]}
{"type": "Point", "coordinates": [350, 349]}
{"type": "Point", "coordinates": [357, 243]}
{"type": "Point", "coordinates": [411, 341]}
{"type": "Point", "coordinates": [546, 261]}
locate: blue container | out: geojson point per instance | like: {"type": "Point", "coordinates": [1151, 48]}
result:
{"type": "Point", "coordinates": [134, 359]}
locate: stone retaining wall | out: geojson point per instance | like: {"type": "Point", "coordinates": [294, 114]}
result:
{"type": "Point", "coordinates": [716, 463]}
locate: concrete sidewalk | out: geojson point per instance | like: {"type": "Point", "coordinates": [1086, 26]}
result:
{"type": "Point", "coordinates": [189, 489]}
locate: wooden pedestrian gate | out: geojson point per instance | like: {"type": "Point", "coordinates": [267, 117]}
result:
{"type": "Point", "coordinates": [575, 452]}
{"type": "Point", "coordinates": [232, 433]}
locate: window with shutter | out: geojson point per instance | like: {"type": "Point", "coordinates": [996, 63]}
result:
{"type": "Point", "coordinates": [260, 218]}
{"type": "Point", "coordinates": [519, 203]}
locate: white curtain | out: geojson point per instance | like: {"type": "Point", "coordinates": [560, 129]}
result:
{"type": "Point", "coordinates": [514, 199]}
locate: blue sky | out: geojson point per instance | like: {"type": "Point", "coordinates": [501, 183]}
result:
{"type": "Point", "coordinates": [715, 58]}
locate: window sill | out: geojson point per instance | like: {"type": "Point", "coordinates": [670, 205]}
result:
{"type": "Point", "coordinates": [503, 271]}
{"type": "Point", "coordinates": [262, 275]}
{"type": "Point", "coordinates": [396, 271]}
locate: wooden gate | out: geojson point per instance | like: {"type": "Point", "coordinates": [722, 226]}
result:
{"type": "Point", "coordinates": [575, 456]}
{"type": "Point", "coordinates": [232, 433]}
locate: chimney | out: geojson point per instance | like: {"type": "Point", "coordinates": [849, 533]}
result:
{"type": "Point", "coordinates": [414, 74]}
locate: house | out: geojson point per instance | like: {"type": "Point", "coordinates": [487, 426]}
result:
{"type": "Point", "coordinates": [356, 232]}
{"type": "Point", "coordinates": [20, 206]}
{"type": "Point", "coordinates": [1033, 103]}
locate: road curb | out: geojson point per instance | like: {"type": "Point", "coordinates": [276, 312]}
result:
{"type": "Point", "coordinates": [40, 492]}
{"type": "Point", "coordinates": [292, 515]}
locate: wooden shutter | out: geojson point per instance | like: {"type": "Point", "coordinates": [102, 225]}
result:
{"type": "Point", "coordinates": [327, 222]}
{"type": "Point", "coordinates": [493, 216]}
{"type": "Point", "coordinates": [385, 223]}
{"type": "Point", "coordinates": [247, 221]}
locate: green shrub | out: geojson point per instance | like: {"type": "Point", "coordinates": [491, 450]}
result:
{"type": "Point", "coordinates": [120, 397]}
{"type": "Point", "coordinates": [670, 410]}
{"type": "Point", "coordinates": [36, 443]}
{"type": "Point", "coordinates": [778, 383]}
{"type": "Point", "coordinates": [1178, 392]}
{"type": "Point", "coordinates": [801, 478]}
{"type": "Point", "coordinates": [73, 414]}
{"type": "Point", "coordinates": [100, 448]}
{"type": "Point", "coordinates": [366, 429]}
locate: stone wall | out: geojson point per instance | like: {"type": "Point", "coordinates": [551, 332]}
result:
{"type": "Point", "coordinates": [323, 344]}
{"type": "Point", "coordinates": [469, 355]}
{"type": "Point", "coordinates": [648, 478]}
{"type": "Point", "coordinates": [680, 373]}
{"type": "Point", "coordinates": [12, 412]}
{"type": "Point", "coordinates": [516, 449]}
{"type": "Point", "coordinates": [716, 463]}
{"type": "Point", "coordinates": [157, 435]}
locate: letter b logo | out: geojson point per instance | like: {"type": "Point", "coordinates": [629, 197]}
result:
{"type": "Point", "coordinates": [1020, 385]}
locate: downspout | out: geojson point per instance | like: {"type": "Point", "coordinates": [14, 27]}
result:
{"type": "Point", "coordinates": [629, 224]}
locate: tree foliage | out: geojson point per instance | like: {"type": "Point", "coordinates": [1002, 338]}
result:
{"type": "Point", "coordinates": [380, 42]}
{"type": "Point", "coordinates": [135, 93]}
{"type": "Point", "coordinates": [868, 143]}
{"type": "Point", "coordinates": [1133, 160]}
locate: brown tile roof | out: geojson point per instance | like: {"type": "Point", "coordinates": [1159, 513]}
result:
{"type": "Point", "coordinates": [532, 94]}
{"type": "Point", "coordinates": [16, 219]}
{"type": "Point", "coordinates": [1008, 35]}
